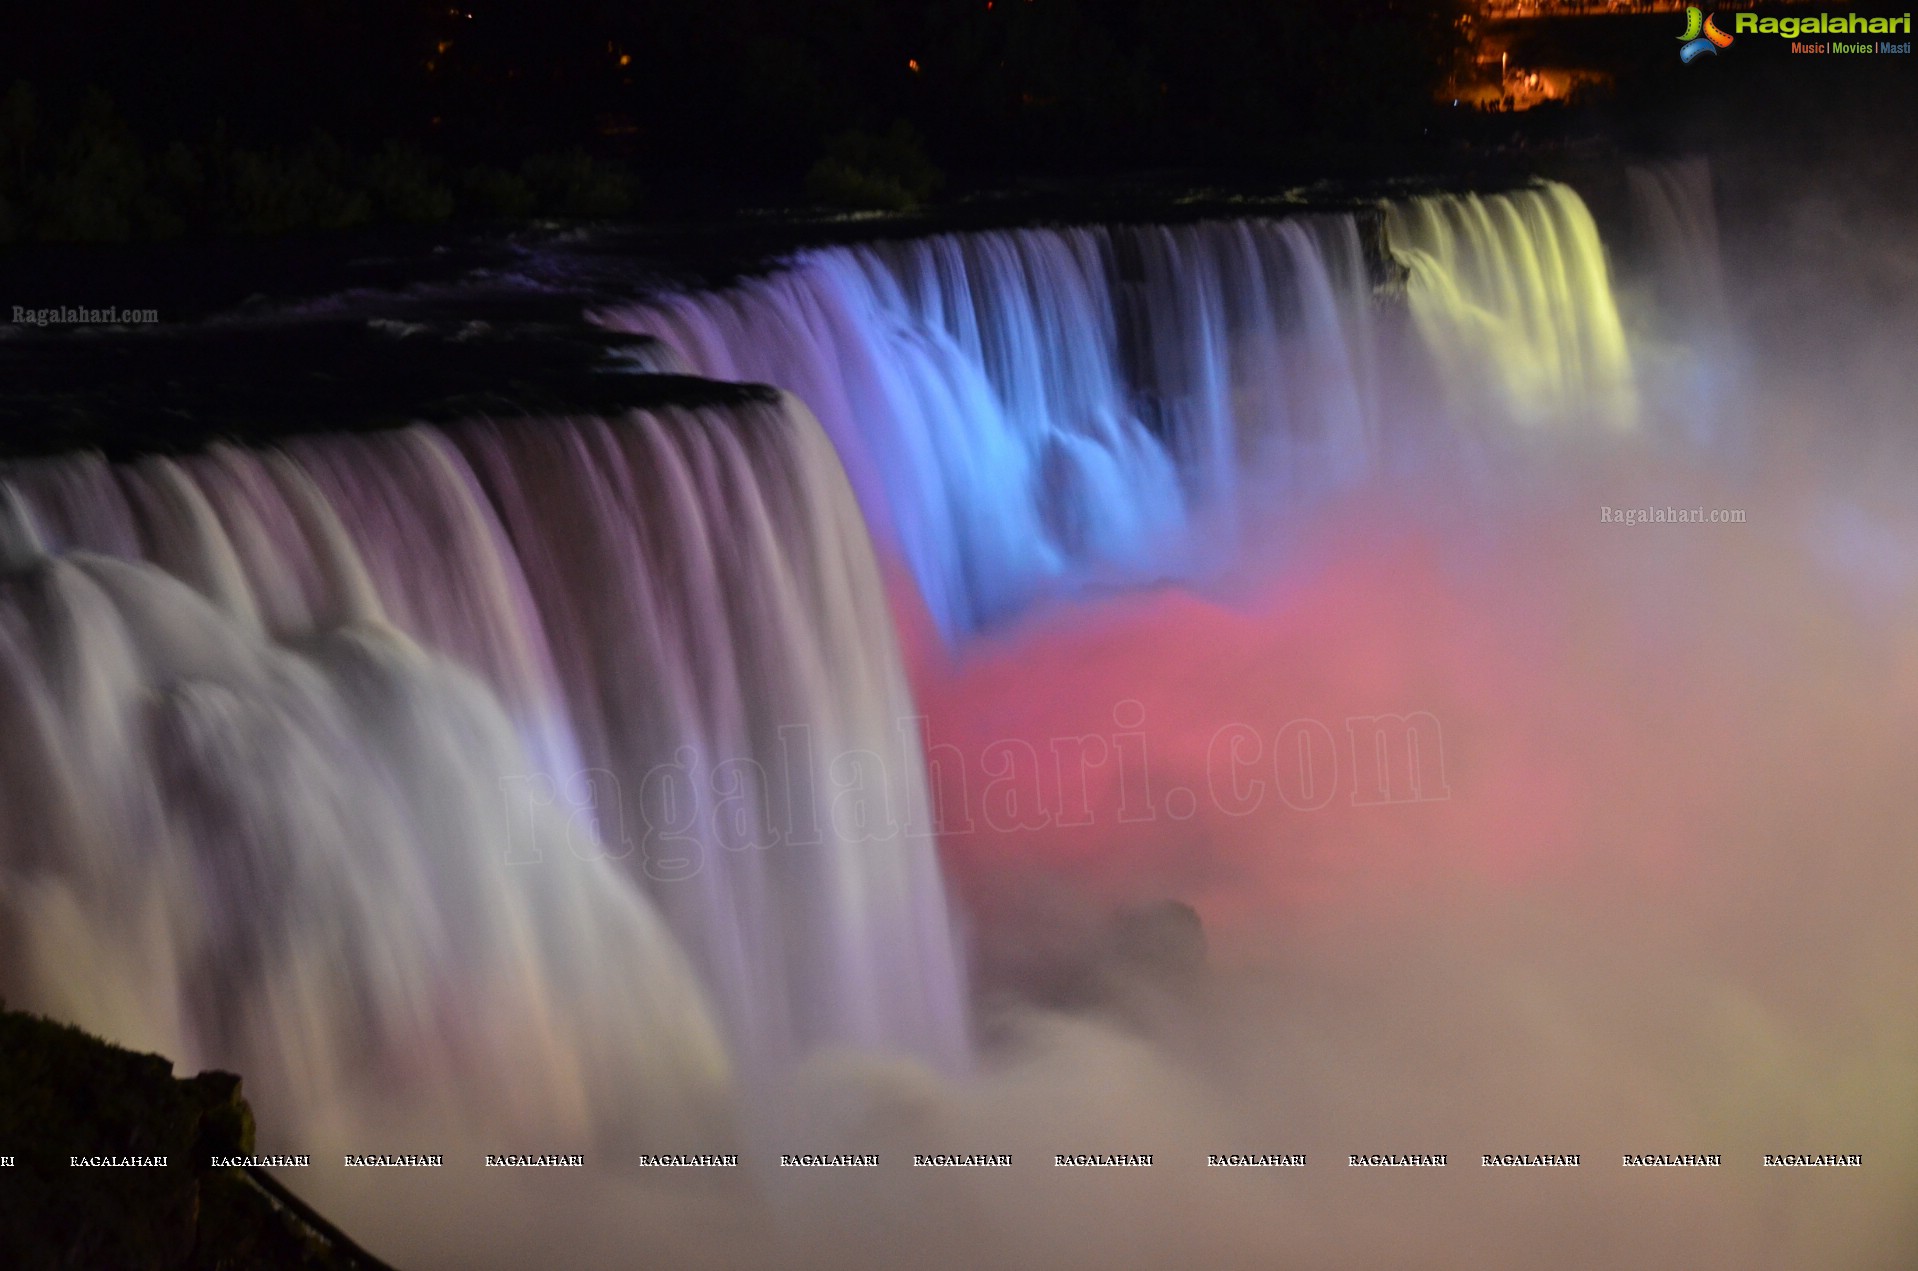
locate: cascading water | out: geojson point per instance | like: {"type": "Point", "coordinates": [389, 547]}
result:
{"type": "Point", "coordinates": [1036, 409]}
{"type": "Point", "coordinates": [1032, 409]}
{"type": "Point", "coordinates": [429, 752]}
{"type": "Point", "coordinates": [287, 856]}
{"type": "Point", "coordinates": [1513, 297]}
{"type": "Point", "coordinates": [715, 613]}
{"type": "Point", "coordinates": [1676, 228]}
{"type": "Point", "coordinates": [678, 613]}
{"type": "Point", "coordinates": [561, 776]}
{"type": "Point", "coordinates": [1690, 356]}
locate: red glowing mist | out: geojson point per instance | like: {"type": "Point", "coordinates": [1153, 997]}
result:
{"type": "Point", "coordinates": [1535, 706]}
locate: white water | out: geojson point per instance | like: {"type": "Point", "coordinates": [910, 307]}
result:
{"type": "Point", "coordinates": [666, 639]}
{"type": "Point", "coordinates": [313, 753]}
{"type": "Point", "coordinates": [1039, 410]}
{"type": "Point", "coordinates": [331, 765]}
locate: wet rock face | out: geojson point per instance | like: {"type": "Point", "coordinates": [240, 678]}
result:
{"type": "Point", "coordinates": [66, 1095]}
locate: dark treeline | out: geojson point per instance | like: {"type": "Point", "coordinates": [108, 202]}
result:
{"type": "Point", "coordinates": [401, 109]}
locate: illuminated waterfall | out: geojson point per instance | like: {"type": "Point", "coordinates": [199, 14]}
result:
{"type": "Point", "coordinates": [1032, 410]}
{"type": "Point", "coordinates": [1513, 297]}
{"type": "Point", "coordinates": [525, 768]}
{"type": "Point", "coordinates": [562, 770]}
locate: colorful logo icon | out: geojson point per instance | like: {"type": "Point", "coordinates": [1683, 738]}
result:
{"type": "Point", "coordinates": [1701, 36]}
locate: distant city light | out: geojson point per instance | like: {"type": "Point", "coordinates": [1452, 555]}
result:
{"type": "Point", "coordinates": [1501, 10]}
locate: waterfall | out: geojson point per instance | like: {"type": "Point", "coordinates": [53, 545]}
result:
{"type": "Point", "coordinates": [1691, 356]}
{"type": "Point", "coordinates": [575, 756]}
{"type": "Point", "coordinates": [1513, 297]}
{"type": "Point", "coordinates": [1675, 225]}
{"type": "Point", "coordinates": [1029, 411]}
{"type": "Point", "coordinates": [1026, 410]}
{"type": "Point", "coordinates": [554, 771]}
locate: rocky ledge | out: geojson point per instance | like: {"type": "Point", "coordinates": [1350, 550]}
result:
{"type": "Point", "coordinates": [65, 1095]}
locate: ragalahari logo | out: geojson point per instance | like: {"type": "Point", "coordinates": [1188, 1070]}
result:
{"type": "Point", "coordinates": [1701, 36]}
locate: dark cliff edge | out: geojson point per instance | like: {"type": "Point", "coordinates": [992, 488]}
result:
{"type": "Point", "coordinates": [65, 1094]}
{"type": "Point", "coordinates": [128, 392]}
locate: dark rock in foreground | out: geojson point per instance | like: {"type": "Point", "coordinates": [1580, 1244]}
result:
{"type": "Point", "coordinates": [65, 1094]}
